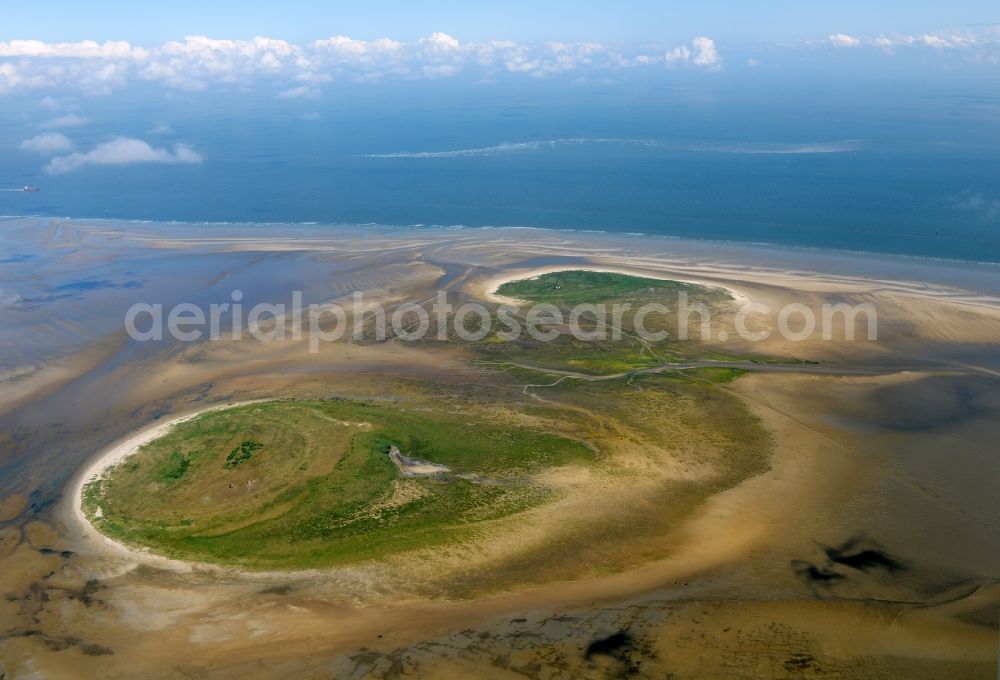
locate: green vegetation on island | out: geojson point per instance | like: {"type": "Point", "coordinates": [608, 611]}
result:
{"type": "Point", "coordinates": [242, 453]}
{"type": "Point", "coordinates": [326, 492]}
{"type": "Point", "coordinates": [574, 287]}
{"type": "Point", "coordinates": [616, 346]}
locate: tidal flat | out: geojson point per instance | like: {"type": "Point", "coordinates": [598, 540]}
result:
{"type": "Point", "coordinates": [673, 506]}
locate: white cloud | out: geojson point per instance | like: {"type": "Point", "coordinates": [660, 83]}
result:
{"type": "Point", "coordinates": [678, 54]}
{"type": "Point", "coordinates": [705, 53]}
{"type": "Point", "coordinates": [439, 70]}
{"type": "Point", "coordinates": [123, 151]}
{"type": "Point", "coordinates": [300, 92]}
{"type": "Point", "coordinates": [936, 41]}
{"type": "Point", "coordinates": [67, 121]}
{"type": "Point", "coordinates": [48, 143]}
{"type": "Point", "coordinates": [441, 41]}
{"type": "Point", "coordinates": [198, 63]}
{"type": "Point", "coordinates": [702, 52]}
{"type": "Point", "coordinates": [86, 49]}
{"type": "Point", "coordinates": [555, 58]}
{"type": "Point", "coordinates": [946, 40]}
{"type": "Point", "coordinates": [842, 40]}
{"type": "Point", "coordinates": [341, 43]}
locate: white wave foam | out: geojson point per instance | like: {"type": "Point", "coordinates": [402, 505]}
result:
{"type": "Point", "coordinates": [502, 148]}
{"type": "Point", "coordinates": [516, 147]}
{"type": "Point", "coordinates": [780, 149]}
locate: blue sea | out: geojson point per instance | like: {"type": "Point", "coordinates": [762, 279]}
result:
{"type": "Point", "coordinates": [878, 166]}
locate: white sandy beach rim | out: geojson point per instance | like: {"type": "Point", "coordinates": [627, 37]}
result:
{"type": "Point", "coordinates": [115, 454]}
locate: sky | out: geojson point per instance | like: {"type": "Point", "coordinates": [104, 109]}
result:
{"type": "Point", "coordinates": [66, 65]}
{"type": "Point", "coordinates": [746, 21]}
{"type": "Point", "coordinates": [302, 50]}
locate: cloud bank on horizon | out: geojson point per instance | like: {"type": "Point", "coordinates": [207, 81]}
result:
{"type": "Point", "coordinates": [198, 63]}
{"type": "Point", "coordinates": [951, 40]}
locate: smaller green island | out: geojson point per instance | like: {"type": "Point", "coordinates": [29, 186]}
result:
{"type": "Point", "coordinates": [625, 351]}
{"type": "Point", "coordinates": [582, 286]}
